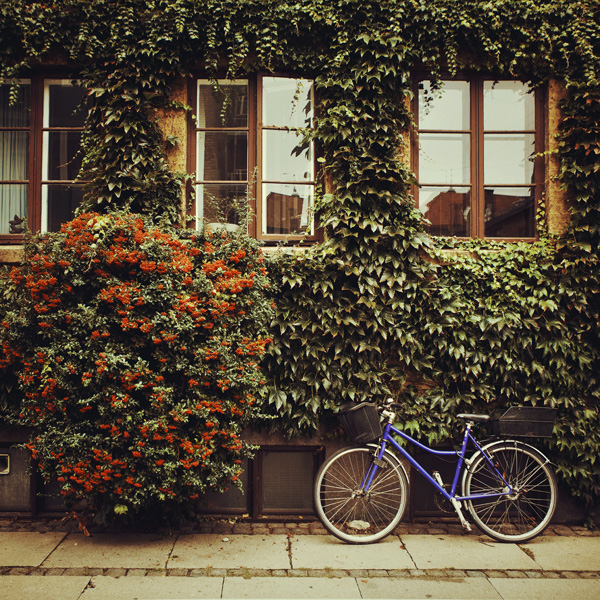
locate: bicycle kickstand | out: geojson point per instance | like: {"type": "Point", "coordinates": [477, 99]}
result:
{"type": "Point", "coordinates": [455, 504]}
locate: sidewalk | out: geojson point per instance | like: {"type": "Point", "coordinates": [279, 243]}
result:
{"type": "Point", "coordinates": [66, 565]}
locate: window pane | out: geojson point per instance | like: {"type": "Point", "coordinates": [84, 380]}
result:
{"type": "Point", "coordinates": [14, 152]}
{"type": "Point", "coordinates": [509, 212]}
{"type": "Point", "coordinates": [286, 208]}
{"type": "Point", "coordinates": [16, 115]}
{"type": "Point", "coordinates": [444, 158]}
{"type": "Point", "coordinates": [507, 106]}
{"type": "Point", "coordinates": [508, 158]}
{"type": "Point", "coordinates": [287, 102]}
{"type": "Point", "coordinates": [13, 203]}
{"type": "Point", "coordinates": [447, 108]}
{"type": "Point", "coordinates": [222, 156]}
{"type": "Point", "coordinates": [63, 105]}
{"type": "Point", "coordinates": [61, 202]}
{"type": "Point", "coordinates": [286, 157]}
{"type": "Point", "coordinates": [448, 209]}
{"type": "Point", "coordinates": [221, 203]}
{"type": "Point", "coordinates": [226, 106]}
{"type": "Point", "coordinates": [63, 156]}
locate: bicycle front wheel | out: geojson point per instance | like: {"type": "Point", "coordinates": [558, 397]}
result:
{"type": "Point", "coordinates": [522, 514]}
{"type": "Point", "coordinates": [349, 513]}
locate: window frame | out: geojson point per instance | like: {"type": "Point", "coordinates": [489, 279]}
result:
{"type": "Point", "coordinates": [255, 128]}
{"type": "Point", "coordinates": [39, 133]}
{"type": "Point", "coordinates": [477, 133]}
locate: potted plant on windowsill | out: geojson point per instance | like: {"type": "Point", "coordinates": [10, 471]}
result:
{"type": "Point", "coordinates": [226, 212]}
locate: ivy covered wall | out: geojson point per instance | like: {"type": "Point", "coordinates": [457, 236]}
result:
{"type": "Point", "coordinates": [379, 307]}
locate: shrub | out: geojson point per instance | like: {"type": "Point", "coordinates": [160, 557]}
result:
{"type": "Point", "coordinates": [136, 354]}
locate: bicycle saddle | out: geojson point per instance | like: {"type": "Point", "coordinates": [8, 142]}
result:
{"type": "Point", "coordinates": [475, 418]}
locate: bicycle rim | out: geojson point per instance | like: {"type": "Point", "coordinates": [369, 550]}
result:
{"type": "Point", "coordinates": [350, 514]}
{"type": "Point", "coordinates": [526, 512]}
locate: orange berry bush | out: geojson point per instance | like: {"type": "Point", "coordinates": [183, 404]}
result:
{"type": "Point", "coordinates": [135, 354]}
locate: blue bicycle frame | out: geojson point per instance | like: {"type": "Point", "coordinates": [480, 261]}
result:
{"type": "Point", "coordinates": [452, 497]}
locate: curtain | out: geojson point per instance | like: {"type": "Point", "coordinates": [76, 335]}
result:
{"type": "Point", "coordinates": [14, 154]}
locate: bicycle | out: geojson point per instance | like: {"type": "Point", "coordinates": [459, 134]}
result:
{"type": "Point", "coordinates": [507, 486]}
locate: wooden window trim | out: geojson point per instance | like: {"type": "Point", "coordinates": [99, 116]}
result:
{"type": "Point", "coordinates": [37, 131]}
{"type": "Point", "coordinates": [477, 133]}
{"type": "Point", "coordinates": [255, 166]}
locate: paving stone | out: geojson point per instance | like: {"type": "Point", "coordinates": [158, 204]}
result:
{"type": "Point", "coordinates": [280, 531]}
{"type": "Point", "coordinates": [279, 573]}
{"type": "Point", "coordinates": [142, 551]}
{"type": "Point", "coordinates": [115, 572]}
{"type": "Point", "coordinates": [146, 588]}
{"type": "Point", "coordinates": [251, 551]}
{"type": "Point", "coordinates": [42, 587]}
{"type": "Point", "coordinates": [398, 572]}
{"type": "Point", "coordinates": [54, 571]}
{"type": "Point", "coordinates": [569, 575]}
{"type": "Point", "coordinates": [534, 589]}
{"type": "Point", "coordinates": [516, 574]}
{"type": "Point", "coordinates": [391, 588]}
{"type": "Point", "coordinates": [281, 587]}
{"type": "Point", "coordinates": [465, 552]}
{"type": "Point", "coordinates": [28, 548]}
{"type": "Point", "coordinates": [357, 572]}
{"type": "Point", "coordinates": [565, 553]}
{"type": "Point", "coordinates": [319, 552]}
{"type": "Point", "coordinates": [199, 572]}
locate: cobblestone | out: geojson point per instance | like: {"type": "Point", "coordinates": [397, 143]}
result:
{"type": "Point", "coordinates": [294, 527]}
{"type": "Point", "coordinates": [323, 573]}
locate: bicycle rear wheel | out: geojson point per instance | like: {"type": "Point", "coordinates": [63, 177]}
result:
{"type": "Point", "coordinates": [527, 511]}
{"type": "Point", "coordinates": [349, 513]}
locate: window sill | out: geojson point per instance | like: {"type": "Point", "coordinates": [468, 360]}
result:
{"type": "Point", "coordinates": [11, 254]}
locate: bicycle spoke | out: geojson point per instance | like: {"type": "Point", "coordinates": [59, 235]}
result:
{"type": "Point", "coordinates": [346, 509]}
{"type": "Point", "coordinates": [527, 507]}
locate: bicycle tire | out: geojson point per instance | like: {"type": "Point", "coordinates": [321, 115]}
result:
{"type": "Point", "coordinates": [528, 511]}
{"type": "Point", "coordinates": [344, 511]}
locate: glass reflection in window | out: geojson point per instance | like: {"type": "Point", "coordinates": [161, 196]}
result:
{"type": "Point", "coordinates": [287, 208]}
{"type": "Point", "coordinates": [509, 212]}
{"type": "Point", "coordinates": [447, 209]}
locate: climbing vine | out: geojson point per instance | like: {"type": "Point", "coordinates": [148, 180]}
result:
{"type": "Point", "coordinates": [379, 307]}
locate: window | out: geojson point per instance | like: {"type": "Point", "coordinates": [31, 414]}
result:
{"type": "Point", "coordinates": [249, 143]}
{"type": "Point", "coordinates": [40, 136]}
{"type": "Point", "coordinates": [477, 158]}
